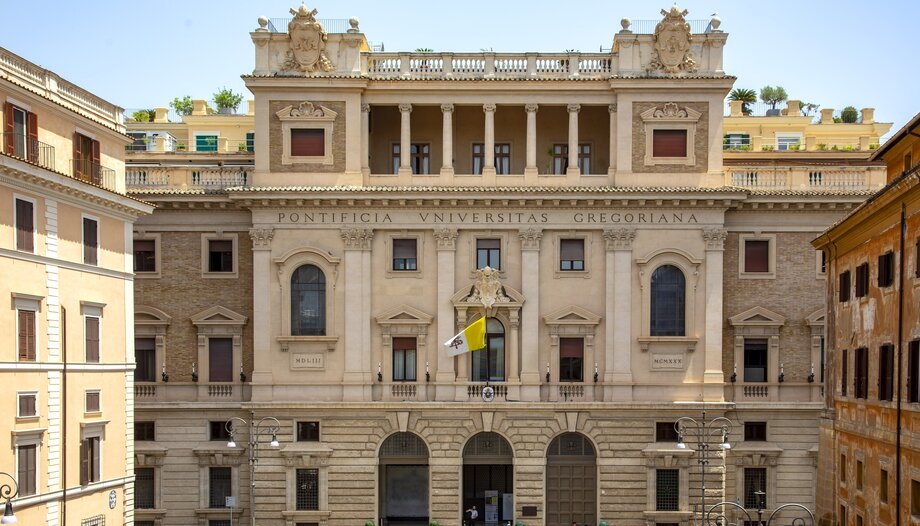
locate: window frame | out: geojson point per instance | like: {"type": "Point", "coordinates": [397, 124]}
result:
{"type": "Point", "coordinates": [670, 436]}
{"type": "Point", "coordinates": [153, 487]}
{"type": "Point", "coordinates": [299, 437]}
{"type": "Point", "coordinates": [157, 260]}
{"type": "Point", "coordinates": [323, 301]}
{"type": "Point", "coordinates": [886, 361]}
{"type": "Point", "coordinates": [584, 256]}
{"type": "Point", "coordinates": [765, 498]}
{"type": "Point", "coordinates": [297, 495]}
{"type": "Point", "coordinates": [86, 341]}
{"type": "Point", "coordinates": [766, 365]}
{"type": "Point", "coordinates": [286, 266]}
{"type": "Point", "coordinates": [204, 134]}
{"type": "Point", "coordinates": [476, 248]}
{"type": "Point", "coordinates": [862, 281]}
{"type": "Point", "coordinates": [670, 116]}
{"type": "Point", "coordinates": [308, 130]}
{"type": "Point", "coordinates": [844, 286]}
{"type": "Point", "coordinates": [95, 441]}
{"type": "Point", "coordinates": [206, 239]}
{"type": "Point", "coordinates": [415, 260]}
{"type": "Point", "coordinates": [579, 369]}
{"type": "Point", "coordinates": [861, 373]}
{"type": "Point", "coordinates": [18, 336]}
{"type": "Point", "coordinates": [658, 496]}
{"type": "Point", "coordinates": [755, 431]}
{"type": "Point", "coordinates": [318, 117]}
{"type": "Point", "coordinates": [34, 203]}
{"type": "Point", "coordinates": [22, 483]}
{"type": "Point", "coordinates": [153, 372]}
{"type": "Point", "coordinates": [781, 138]}
{"type": "Point", "coordinates": [683, 308]}
{"type": "Point", "coordinates": [405, 368]}
{"type": "Point", "coordinates": [35, 403]}
{"type": "Point", "coordinates": [682, 132]}
{"type": "Point", "coordinates": [210, 480]}
{"type": "Point", "coordinates": [153, 433]}
{"type": "Point", "coordinates": [87, 393]}
{"type": "Point", "coordinates": [743, 273]}
{"type": "Point", "coordinates": [559, 158]}
{"type": "Point", "coordinates": [844, 372]}
{"type": "Point", "coordinates": [95, 250]}
{"type": "Point", "coordinates": [886, 268]}
{"type": "Point", "coordinates": [502, 158]}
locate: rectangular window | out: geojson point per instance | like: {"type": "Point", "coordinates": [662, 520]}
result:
{"type": "Point", "coordinates": [843, 515]}
{"type": "Point", "coordinates": [755, 431]}
{"type": "Point", "coordinates": [560, 158]}
{"type": "Point", "coordinates": [26, 336]}
{"type": "Point", "coordinates": [571, 359]}
{"type": "Point", "coordinates": [757, 255]}
{"type": "Point", "coordinates": [908, 161]}
{"type": "Point", "coordinates": [862, 280]}
{"type": "Point", "coordinates": [220, 359]}
{"type": "Point", "coordinates": [90, 241]}
{"type": "Point", "coordinates": [89, 460]}
{"type": "Point", "coordinates": [572, 254]}
{"type": "Point", "coordinates": [145, 356]}
{"type": "Point", "coordinates": [220, 255]}
{"type": "Point", "coordinates": [886, 269]}
{"type": "Point", "coordinates": [143, 488]}
{"type": "Point", "coordinates": [92, 403]}
{"type": "Point", "coordinates": [307, 489]}
{"type": "Point", "coordinates": [883, 486]}
{"type": "Point", "coordinates": [787, 142]}
{"type": "Point", "coordinates": [859, 520]}
{"type": "Point", "coordinates": [502, 158]}
{"type": "Point", "coordinates": [886, 372]}
{"type": "Point", "coordinates": [206, 143]}
{"type": "Point", "coordinates": [26, 406]}
{"type": "Point", "coordinates": [755, 360]}
{"type": "Point", "coordinates": [844, 372]}
{"type": "Point", "coordinates": [405, 253]}
{"type": "Point", "coordinates": [843, 468]}
{"type": "Point", "coordinates": [913, 372]}
{"type": "Point", "coordinates": [822, 265]}
{"type": "Point", "coordinates": [25, 225]}
{"type": "Point", "coordinates": [736, 141]}
{"type": "Point", "coordinates": [861, 373]}
{"type": "Point", "coordinates": [419, 159]}
{"type": "Point", "coordinates": [218, 487]}
{"type": "Point", "coordinates": [665, 432]}
{"type": "Point", "coordinates": [917, 260]}
{"type": "Point", "coordinates": [17, 127]}
{"type": "Point", "coordinates": [91, 325]}
{"type": "Point", "coordinates": [859, 474]}
{"type": "Point", "coordinates": [915, 499]}
{"type": "Point", "coordinates": [218, 431]}
{"type": "Point", "coordinates": [250, 142]}
{"type": "Point", "coordinates": [27, 472]}
{"type": "Point", "coordinates": [755, 488]}
{"type": "Point", "coordinates": [145, 256]}
{"type": "Point", "coordinates": [308, 431]}
{"type": "Point", "coordinates": [404, 361]}
{"type": "Point", "coordinates": [667, 489]}
{"type": "Point", "coordinates": [144, 431]}
{"type": "Point", "coordinates": [86, 157]}
{"type": "Point", "coordinates": [844, 287]}
{"type": "Point", "coordinates": [489, 253]}
{"type": "Point", "coordinates": [308, 142]}
{"type": "Point", "coordinates": [669, 143]}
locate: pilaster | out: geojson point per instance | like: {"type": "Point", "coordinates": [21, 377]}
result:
{"type": "Point", "coordinates": [262, 378]}
{"type": "Point", "coordinates": [530, 313]}
{"type": "Point", "coordinates": [447, 247]}
{"type": "Point", "coordinates": [618, 335]}
{"type": "Point", "coordinates": [357, 377]}
{"type": "Point", "coordinates": [715, 248]}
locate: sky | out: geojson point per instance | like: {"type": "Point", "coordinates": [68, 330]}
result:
{"type": "Point", "coordinates": [143, 54]}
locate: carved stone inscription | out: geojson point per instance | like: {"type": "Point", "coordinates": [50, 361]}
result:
{"type": "Point", "coordinates": [667, 361]}
{"type": "Point", "coordinates": [307, 361]}
{"type": "Point", "coordinates": [508, 218]}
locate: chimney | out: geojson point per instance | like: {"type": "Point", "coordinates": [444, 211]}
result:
{"type": "Point", "coordinates": [161, 115]}
{"type": "Point", "coordinates": [827, 116]}
{"type": "Point", "coordinates": [868, 115]}
{"type": "Point", "coordinates": [252, 107]}
{"type": "Point", "coordinates": [794, 108]}
{"type": "Point", "coordinates": [199, 107]}
{"type": "Point", "coordinates": [735, 106]}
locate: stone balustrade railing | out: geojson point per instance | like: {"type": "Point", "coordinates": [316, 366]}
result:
{"type": "Point", "coordinates": [490, 65]}
{"type": "Point", "coordinates": [804, 178]}
{"type": "Point", "coordinates": [140, 178]}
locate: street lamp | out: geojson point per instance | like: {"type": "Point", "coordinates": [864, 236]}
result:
{"type": "Point", "coordinates": [704, 431]}
{"type": "Point", "coordinates": [8, 492]}
{"type": "Point", "coordinates": [806, 518]}
{"type": "Point", "coordinates": [256, 429]}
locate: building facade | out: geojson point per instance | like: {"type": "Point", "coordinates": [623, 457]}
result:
{"type": "Point", "coordinates": [869, 439]}
{"type": "Point", "coordinates": [632, 269]}
{"type": "Point", "coordinates": [65, 251]}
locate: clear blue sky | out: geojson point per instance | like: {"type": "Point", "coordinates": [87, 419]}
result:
{"type": "Point", "coordinates": [142, 54]}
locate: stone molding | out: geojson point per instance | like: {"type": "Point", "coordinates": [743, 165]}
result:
{"type": "Point", "coordinates": [489, 107]}
{"type": "Point", "coordinates": [573, 108]}
{"type": "Point", "coordinates": [447, 238]}
{"type": "Point", "coordinates": [357, 238]}
{"type": "Point", "coordinates": [405, 107]}
{"type": "Point", "coordinates": [365, 107]}
{"type": "Point", "coordinates": [530, 238]}
{"type": "Point", "coordinates": [447, 108]}
{"type": "Point", "coordinates": [715, 238]}
{"type": "Point", "coordinates": [619, 238]}
{"type": "Point", "coordinates": [612, 108]}
{"type": "Point", "coordinates": [531, 108]}
{"type": "Point", "coordinates": [261, 238]}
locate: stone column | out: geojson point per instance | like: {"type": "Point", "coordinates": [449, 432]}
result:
{"type": "Point", "coordinates": [447, 137]}
{"type": "Point", "coordinates": [513, 348]}
{"type": "Point", "coordinates": [405, 139]}
{"type": "Point", "coordinates": [365, 138]}
{"type": "Point", "coordinates": [531, 166]}
{"type": "Point", "coordinates": [447, 249]}
{"type": "Point", "coordinates": [357, 378]}
{"type": "Point", "coordinates": [715, 247]}
{"type": "Point", "coordinates": [261, 315]}
{"type": "Point", "coordinates": [530, 314]}
{"type": "Point", "coordinates": [618, 335]}
{"type": "Point", "coordinates": [612, 167]}
{"type": "Point", "coordinates": [573, 139]}
{"type": "Point", "coordinates": [488, 167]}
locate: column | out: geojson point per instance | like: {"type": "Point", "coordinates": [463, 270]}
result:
{"type": "Point", "coordinates": [262, 273]}
{"type": "Point", "coordinates": [530, 314]}
{"type": "Point", "coordinates": [531, 166]}
{"type": "Point", "coordinates": [405, 139]}
{"type": "Point", "coordinates": [447, 136]}
{"type": "Point", "coordinates": [573, 139]}
{"type": "Point", "coordinates": [612, 167]}
{"type": "Point", "coordinates": [618, 335]}
{"type": "Point", "coordinates": [365, 138]}
{"type": "Point", "coordinates": [715, 247]}
{"type": "Point", "coordinates": [489, 142]}
{"type": "Point", "coordinates": [447, 249]}
{"type": "Point", "coordinates": [357, 378]}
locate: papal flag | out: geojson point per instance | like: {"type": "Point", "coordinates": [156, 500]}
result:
{"type": "Point", "coordinates": [469, 339]}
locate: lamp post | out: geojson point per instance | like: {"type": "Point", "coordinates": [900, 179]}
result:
{"type": "Point", "coordinates": [256, 429]}
{"type": "Point", "coordinates": [703, 430]}
{"type": "Point", "coordinates": [720, 518]}
{"type": "Point", "coordinates": [8, 492]}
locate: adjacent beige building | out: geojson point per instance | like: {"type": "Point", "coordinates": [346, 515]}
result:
{"type": "Point", "coordinates": [637, 272]}
{"type": "Point", "coordinates": [66, 271]}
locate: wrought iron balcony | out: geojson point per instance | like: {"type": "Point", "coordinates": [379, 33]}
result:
{"type": "Point", "coordinates": [32, 150]}
{"type": "Point", "coordinates": [90, 172]}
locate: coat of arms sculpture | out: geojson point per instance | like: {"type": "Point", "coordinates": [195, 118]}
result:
{"type": "Point", "coordinates": [308, 43]}
{"type": "Point", "coordinates": [672, 53]}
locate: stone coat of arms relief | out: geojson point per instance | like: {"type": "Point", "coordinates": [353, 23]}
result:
{"type": "Point", "coordinates": [488, 290]}
{"type": "Point", "coordinates": [308, 43]}
{"type": "Point", "coordinates": [672, 53]}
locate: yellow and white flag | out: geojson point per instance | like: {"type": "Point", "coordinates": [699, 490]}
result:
{"type": "Point", "coordinates": [469, 339]}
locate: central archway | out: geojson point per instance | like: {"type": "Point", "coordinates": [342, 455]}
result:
{"type": "Point", "coordinates": [571, 480]}
{"type": "Point", "coordinates": [403, 483]}
{"type": "Point", "coordinates": [488, 476]}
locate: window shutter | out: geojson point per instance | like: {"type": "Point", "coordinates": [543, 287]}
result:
{"type": "Point", "coordinates": [8, 128]}
{"type": "Point", "coordinates": [308, 142]}
{"type": "Point", "coordinates": [220, 357]}
{"type": "Point", "coordinates": [572, 250]}
{"type": "Point", "coordinates": [96, 173]}
{"type": "Point", "coordinates": [32, 131]}
{"type": "Point", "coordinates": [90, 241]}
{"type": "Point", "coordinates": [756, 256]}
{"type": "Point", "coordinates": [92, 339]}
{"type": "Point", "coordinates": [84, 462]}
{"type": "Point", "coordinates": [669, 143]}
{"type": "Point", "coordinates": [25, 226]}
{"type": "Point", "coordinates": [26, 336]}
{"type": "Point", "coordinates": [571, 347]}
{"type": "Point", "coordinates": [77, 156]}
{"type": "Point", "coordinates": [404, 248]}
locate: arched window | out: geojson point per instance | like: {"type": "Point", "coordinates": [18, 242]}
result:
{"type": "Point", "coordinates": [668, 295]}
{"type": "Point", "coordinates": [308, 301]}
{"type": "Point", "coordinates": [489, 363]}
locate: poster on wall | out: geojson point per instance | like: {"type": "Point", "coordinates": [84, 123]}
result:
{"type": "Point", "coordinates": [491, 505]}
{"type": "Point", "coordinates": [507, 506]}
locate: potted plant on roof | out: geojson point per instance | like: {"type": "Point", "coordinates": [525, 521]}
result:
{"type": "Point", "coordinates": [746, 96]}
{"type": "Point", "coordinates": [227, 101]}
{"type": "Point", "coordinates": [849, 115]}
{"type": "Point", "coordinates": [773, 96]}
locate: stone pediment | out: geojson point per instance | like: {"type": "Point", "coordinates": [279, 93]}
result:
{"type": "Point", "coordinates": [403, 315]}
{"type": "Point", "coordinates": [671, 112]}
{"type": "Point", "coordinates": [572, 315]}
{"type": "Point", "coordinates": [815, 318]}
{"type": "Point", "coordinates": [758, 316]}
{"type": "Point", "coordinates": [306, 111]}
{"type": "Point", "coordinates": [218, 315]}
{"type": "Point", "coordinates": [144, 315]}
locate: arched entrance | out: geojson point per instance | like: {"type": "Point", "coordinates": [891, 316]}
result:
{"type": "Point", "coordinates": [403, 481]}
{"type": "Point", "coordinates": [571, 481]}
{"type": "Point", "coordinates": [488, 476]}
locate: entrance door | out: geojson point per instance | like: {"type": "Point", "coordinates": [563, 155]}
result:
{"type": "Point", "coordinates": [488, 476]}
{"type": "Point", "coordinates": [571, 481]}
{"type": "Point", "coordinates": [403, 481]}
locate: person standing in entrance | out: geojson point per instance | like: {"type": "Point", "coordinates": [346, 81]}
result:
{"type": "Point", "coordinates": [471, 515]}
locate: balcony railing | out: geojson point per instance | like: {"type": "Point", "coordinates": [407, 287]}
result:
{"type": "Point", "coordinates": [32, 150]}
{"type": "Point", "coordinates": [90, 172]}
{"type": "Point", "coordinates": [139, 178]}
{"type": "Point", "coordinates": [803, 178]}
{"type": "Point", "coordinates": [490, 65]}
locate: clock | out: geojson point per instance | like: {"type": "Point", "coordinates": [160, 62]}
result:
{"type": "Point", "coordinates": [488, 394]}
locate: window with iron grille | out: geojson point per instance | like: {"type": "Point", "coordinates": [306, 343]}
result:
{"type": "Point", "coordinates": [886, 372]}
{"type": "Point", "coordinates": [755, 483]}
{"type": "Point", "coordinates": [862, 280]}
{"type": "Point", "coordinates": [218, 487]}
{"type": "Point", "coordinates": [98, 520]}
{"type": "Point", "coordinates": [667, 489]}
{"type": "Point", "coordinates": [665, 432]}
{"type": "Point", "coordinates": [755, 431]}
{"type": "Point", "coordinates": [844, 287]}
{"type": "Point", "coordinates": [144, 431]}
{"type": "Point", "coordinates": [307, 524]}
{"type": "Point", "coordinates": [144, 523]}
{"type": "Point", "coordinates": [219, 522]}
{"type": "Point", "coordinates": [307, 489]}
{"type": "Point", "coordinates": [886, 269]}
{"type": "Point", "coordinates": [308, 431]}
{"type": "Point", "coordinates": [861, 373]}
{"type": "Point", "coordinates": [143, 488]}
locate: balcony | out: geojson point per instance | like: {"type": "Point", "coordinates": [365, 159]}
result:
{"type": "Point", "coordinates": [836, 179]}
{"type": "Point", "coordinates": [774, 392]}
{"type": "Point", "coordinates": [23, 147]}
{"type": "Point", "coordinates": [190, 392]}
{"type": "Point", "coordinates": [490, 65]}
{"type": "Point", "coordinates": [208, 179]}
{"type": "Point", "coordinates": [90, 172]}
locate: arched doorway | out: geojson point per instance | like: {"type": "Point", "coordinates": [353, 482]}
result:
{"type": "Point", "coordinates": [488, 476]}
{"type": "Point", "coordinates": [571, 481]}
{"type": "Point", "coordinates": [403, 481]}
{"type": "Point", "coordinates": [489, 363]}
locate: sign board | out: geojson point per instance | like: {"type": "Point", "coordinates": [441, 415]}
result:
{"type": "Point", "coordinates": [491, 506]}
{"type": "Point", "coordinates": [230, 502]}
{"type": "Point", "coordinates": [507, 506]}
